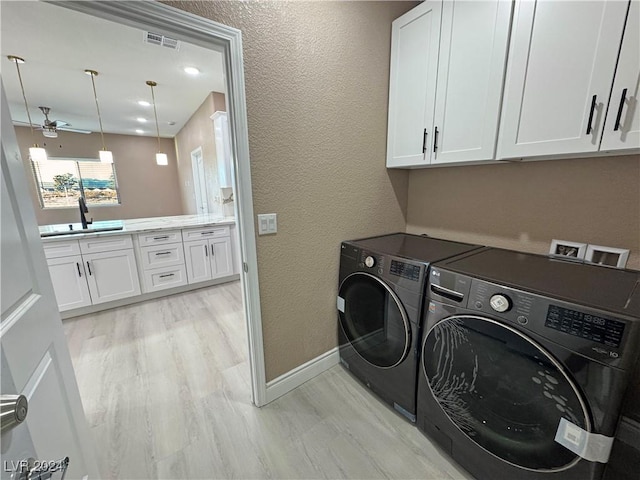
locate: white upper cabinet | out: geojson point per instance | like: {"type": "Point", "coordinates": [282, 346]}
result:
{"type": "Point", "coordinates": [415, 39]}
{"type": "Point", "coordinates": [561, 65]}
{"type": "Point", "coordinates": [622, 127]}
{"type": "Point", "coordinates": [471, 65]}
{"type": "Point", "coordinates": [445, 90]}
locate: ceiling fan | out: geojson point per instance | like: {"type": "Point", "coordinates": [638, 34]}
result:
{"type": "Point", "coordinates": [50, 127]}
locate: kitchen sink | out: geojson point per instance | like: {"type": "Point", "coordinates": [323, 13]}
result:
{"type": "Point", "coordinates": [76, 228]}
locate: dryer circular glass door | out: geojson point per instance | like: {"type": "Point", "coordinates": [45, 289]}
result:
{"type": "Point", "coordinates": [503, 391]}
{"type": "Point", "coordinates": [374, 320]}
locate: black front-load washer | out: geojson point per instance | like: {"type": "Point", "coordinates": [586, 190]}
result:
{"type": "Point", "coordinates": [525, 363]}
{"type": "Point", "coordinates": [380, 302]}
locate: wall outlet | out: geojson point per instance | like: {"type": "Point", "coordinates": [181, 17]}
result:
{"type": "Point", "coordinates": [611, 256]}
{"type": "Point", "coordinates": [267, 223]}
{"type": "Point", "coordinates": [567, 249]}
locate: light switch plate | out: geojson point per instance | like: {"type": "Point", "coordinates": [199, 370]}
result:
{"type": "Point", "coordinates": [267, 223]}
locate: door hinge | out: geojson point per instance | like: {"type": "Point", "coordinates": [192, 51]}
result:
{"type": "Point", "coordinates": [245, 267]}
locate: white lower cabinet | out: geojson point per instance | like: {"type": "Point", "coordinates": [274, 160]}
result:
{"type": "Point", "coordinates": [96, 270]}
{"type": "Point", "coordinates": [112, 275]}
{"type": "Point", "coordinates": [81, 280]}
{"type": "Point", "coordinates": [69, 282]}
{"type": "Point", "coordinates": [208, 259]}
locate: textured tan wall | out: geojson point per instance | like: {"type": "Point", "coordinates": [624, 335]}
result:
{"type": "Point", "coordinates": [523, 206]}
{"type": "Point", "coordinates": [317, 86]}
{"type": "Point", "coordinates": [146, 189]}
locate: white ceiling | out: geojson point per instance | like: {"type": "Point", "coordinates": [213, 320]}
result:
{"type": "Point", "coordinates": [58, 44]}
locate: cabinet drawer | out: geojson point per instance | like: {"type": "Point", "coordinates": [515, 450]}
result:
{"type": "Point", "coordinates": [105, 244]}
{"type": "Point", "coordinates": [161, 278]}
{"type": "Point", "coordinates": [204, 233]}
{"type": "Point", "coordinates": [162, 255]}
{"type": "Point", "coordinates": [159, 238]}
{"type": "Point", "coordinates": [61, 249]}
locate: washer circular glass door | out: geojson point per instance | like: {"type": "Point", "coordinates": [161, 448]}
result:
{"type": "Point", "coordinates": [374, 321]}
{"type": "Point", "coordinates": [503, 391]}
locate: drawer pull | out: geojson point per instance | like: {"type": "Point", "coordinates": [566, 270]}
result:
{"type": "Point", "coordinates": [208, 233]}
{"type": "Point", "coordinates": [167, 275]}
{"type": "Point", "coordinates": [163, 253]}
{"type": "Point", "coordinates": [163, 237]}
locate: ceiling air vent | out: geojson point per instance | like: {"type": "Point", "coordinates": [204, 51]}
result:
{"type": "Point", "coordinates": [161, 40]}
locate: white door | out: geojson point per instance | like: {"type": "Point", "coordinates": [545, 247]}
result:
{"type": "Point", "coordinates": [199, 181]}
{"type": "Point", "coordinates": [561, 63]}
{"type": "Point", "coordinates": [415, 37]}
{"type": "Point", "coordinates": [221, 257]}
{"type": "Point", "coordinates": [622, 128]}
{"type": "Point", "coordinates": [69, 282]}
{"type": "Point", "coordinates": [196, 257]}
{"type": "Point", "coordinates": [35, 360]}
{"type": "Point", "coordinates": [471, 66]}
{"type": "Point", "coordinates": [112, 275]}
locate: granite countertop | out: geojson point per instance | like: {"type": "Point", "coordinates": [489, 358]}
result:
{"type": "Point", "coordinates": [54, 233]}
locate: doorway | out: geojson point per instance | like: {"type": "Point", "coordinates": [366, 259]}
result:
{"type": "Point", "coordinates": [204, 33]}
{"type": "Point", "coordinates": [199, 182]}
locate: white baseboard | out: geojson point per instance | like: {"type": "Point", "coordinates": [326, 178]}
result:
{"type": "Point", "coordinates": [299, 375]}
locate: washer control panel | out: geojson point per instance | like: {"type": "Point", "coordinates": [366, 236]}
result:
{"type": "Point", "coordinates": [596, 328]}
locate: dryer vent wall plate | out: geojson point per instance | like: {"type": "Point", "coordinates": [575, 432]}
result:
{"type": "Point", "coordinates": [568, 249]}
{"type": "Point", "coordinates": [610, 256]}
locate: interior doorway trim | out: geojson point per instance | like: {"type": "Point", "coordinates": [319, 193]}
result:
{"type": "Point", "coordinates": [227, 40]}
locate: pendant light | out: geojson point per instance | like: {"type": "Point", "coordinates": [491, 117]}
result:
{"type": "Point", "coordinates": [105, 155]}
{"type": "Point", "coordinates": [36, 152]}
{"type": "Point", "coordinates": [161, 158]}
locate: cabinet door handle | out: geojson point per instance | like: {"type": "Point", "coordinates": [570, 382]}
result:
{"type": "Point", "coordinates": [206, 251]}
{"type": "Point", "coordinates": [89, 268]}
{"type": "Point", "coordinates": [622, 99]}
{"type": "Point", "coordinates": [78, 267]}
{"type": "Point", "coordinates": [424, 141]}
{"type": "Point", "coordinates": [163, 253]}
{"type": "Point", "coordinates": [435, 140]}
{"type": "Point", "coordinates": [593, 108]}
{"type": "Point", "coordinates": [213, 254]}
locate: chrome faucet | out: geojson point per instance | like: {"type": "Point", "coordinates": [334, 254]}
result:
{"type": "Point", "coordinates": [83, 210]}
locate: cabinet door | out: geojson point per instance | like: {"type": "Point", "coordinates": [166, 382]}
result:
{"type": "Point", "coordinates": [561, 64]}
{"type": "Point", "coordinates": [415, 37]}
{"type": "Point", "coordinates": [471, 65]}
{"type": "Point", "coordinates": [221, 257]}
{"type": "Point", "coordinates": [112, 275]}
{"type": "Point", "coordinates": [69, 282]}
{"type": "Point", "coordinates": [196, 255]}
{"type": "Point", "coordinates": [622, 128]}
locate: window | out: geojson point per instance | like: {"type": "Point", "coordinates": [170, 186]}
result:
{"type": "Point", "coordinates": [61, 181]}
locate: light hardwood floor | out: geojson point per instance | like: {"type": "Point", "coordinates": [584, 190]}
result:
{"type": "Point", "coordinates": [166, 389]}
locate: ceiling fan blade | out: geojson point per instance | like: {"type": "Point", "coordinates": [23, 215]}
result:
{"type": "Point", "coordinates": [73, 130]}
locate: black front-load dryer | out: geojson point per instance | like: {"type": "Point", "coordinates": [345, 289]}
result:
{"type": "Point", "coordinates": [380, 302]}
{"type": "Point", "coordinates": [525, 363]}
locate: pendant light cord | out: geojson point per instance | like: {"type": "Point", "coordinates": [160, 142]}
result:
{"type": "Point", "coordinates": [17, 60]}
{"type": "Point", "coordinates": [95, 96]}
{"type": "Point", "coordinates": [155, 113]}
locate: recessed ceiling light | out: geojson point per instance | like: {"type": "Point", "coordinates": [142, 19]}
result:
{"type": "Point", "coordinates": [144, 103]}
{"type": "Point", "coordinates": [139, 131]}
{"type": "Point", "coordinates": [191, 70]}
{"type": "Point", "coordinates": [142, 120]}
